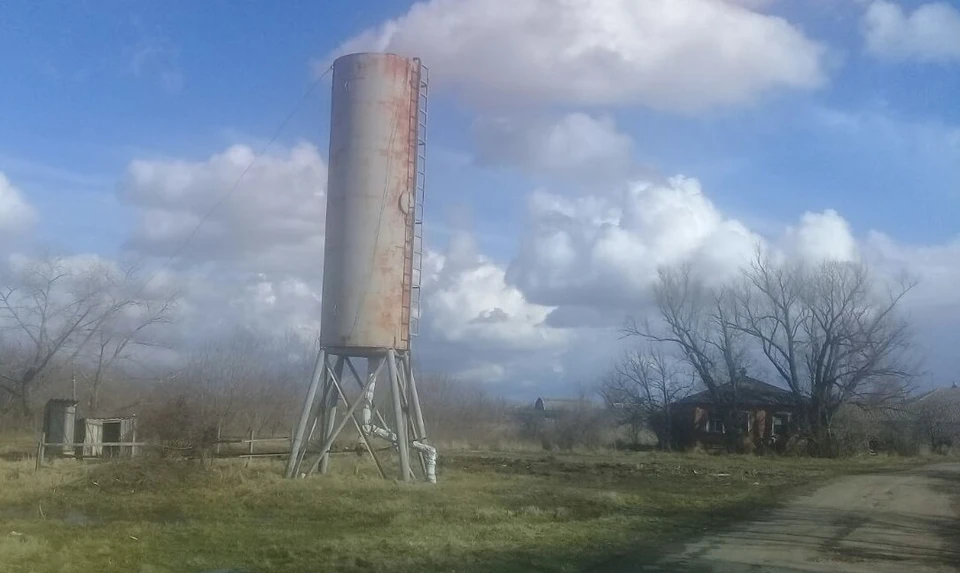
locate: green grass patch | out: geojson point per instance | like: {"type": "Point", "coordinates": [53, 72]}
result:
{"type": "Point", "coordinates": [490, 512]}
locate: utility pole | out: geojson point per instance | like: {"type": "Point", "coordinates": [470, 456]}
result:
{"type": "Point", "coordinates": [74, 380]}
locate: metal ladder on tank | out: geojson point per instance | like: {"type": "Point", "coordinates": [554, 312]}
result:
{"type": "Point", "coordinates": [419, 190]}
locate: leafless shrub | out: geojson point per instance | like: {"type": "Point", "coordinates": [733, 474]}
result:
{"type": "Point", "coordinates": [236, 383]}
{"type": "Point", "coordinates": [457, 412]}
{"type": "Point", "coordinates": [696, 321]}
{"type": "Point", "coordinates": [641, 389]}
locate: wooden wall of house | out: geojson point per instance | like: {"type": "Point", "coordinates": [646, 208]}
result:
{"type": "Point", "coordinates": [691, 429]}
{"type": "Point", "coordinates": [90, 432]}
{"type": "Point", "coordinates": [700, 418]}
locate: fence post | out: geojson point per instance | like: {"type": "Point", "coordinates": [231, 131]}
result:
{"type": "Point", "coordinates": [219, 434]}
{"type": "Point", "coordinates": [43, 439]}
{"type": "Point", "coordinates": [250, 450]}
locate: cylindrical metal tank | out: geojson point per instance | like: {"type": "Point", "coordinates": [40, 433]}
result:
{"type": "Point", "coordinates": [368, 250]}
{"type": "Point", "coordinates": [59, 424]}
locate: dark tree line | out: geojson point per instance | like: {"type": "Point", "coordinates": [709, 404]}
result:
{"type": "Point", "coordinates": [829, 332]}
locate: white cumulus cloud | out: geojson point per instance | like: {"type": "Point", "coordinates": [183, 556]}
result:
{"type": "Point", "coordinates": [822, 236]}
{"type": "Point", "coordinates": [548, 315]}
{"type": "Point", "coordinates": [468, 300]}
{"type": "Point", "coordinates": [479, 328]}
{"type": "Point", "coordinates": [215, 303]}
{"type": "Point", "coordinates": [576, 146]}
{"type": "Point", "coordinates": [677, 55]}
{"type": "Point", "coordinates": [604, 251]}
{"type": "Point", "coordinates": [273, 219]}
{"type": "Point", "coordinates": [16, 215]}
{"type": "Point", "coordinates": [931, 33]}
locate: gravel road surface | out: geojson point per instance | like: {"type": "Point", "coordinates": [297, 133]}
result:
{"type": "Point", "coordinates": [906, 522]}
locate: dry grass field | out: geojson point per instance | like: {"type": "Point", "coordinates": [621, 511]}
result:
{"type": "Point", "coordinates": [490, 512]}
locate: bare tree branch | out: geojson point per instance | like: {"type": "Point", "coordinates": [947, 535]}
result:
{"type": "Point", "coordinates": [828, 334]}
{"type": "Point", "coordinates": [698, 322]}
{"type": "Point", "coordinates": [53, 309]}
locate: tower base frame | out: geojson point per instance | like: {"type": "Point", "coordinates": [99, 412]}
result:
{"type": "Point", "coordinates": [322, 412]}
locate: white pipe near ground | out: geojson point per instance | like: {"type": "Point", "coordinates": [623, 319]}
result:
{"type": "Point", "coordinates": [368, 427]}
{"type": "Point", "coordinates": [430, 453]}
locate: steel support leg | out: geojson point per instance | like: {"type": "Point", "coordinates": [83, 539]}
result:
{"type": "Point", "coordinates": [297, 446]}
{"type": "Point", "coordinates": [330, 413]}
{"type": "Point", "coordinates": [403, 446]}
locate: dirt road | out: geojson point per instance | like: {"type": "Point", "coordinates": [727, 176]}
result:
{"type": "Point", "coordinates": [904, 523]}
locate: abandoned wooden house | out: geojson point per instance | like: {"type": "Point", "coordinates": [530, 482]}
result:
{"type": "Point", "coordinates": [766, 415]}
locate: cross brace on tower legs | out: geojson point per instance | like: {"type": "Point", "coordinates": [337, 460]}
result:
{"type": "Point", "coordinates": [321, 420]}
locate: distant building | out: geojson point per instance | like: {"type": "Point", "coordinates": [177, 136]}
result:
{"type": "Point", "coordinates": [938, 417]}
{"type": "Point", "coordinates": [563, 405]}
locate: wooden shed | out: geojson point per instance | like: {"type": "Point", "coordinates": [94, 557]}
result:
{"type": "Point", "coordinates": [94, 432]}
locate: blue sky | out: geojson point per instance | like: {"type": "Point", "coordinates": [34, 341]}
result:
{"type": "Point", "coordinates": [90, 87]}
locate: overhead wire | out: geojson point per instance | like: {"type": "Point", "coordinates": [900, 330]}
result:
{"type": "Point", "coordinates": [236, 185]}
{"type": "Point", "coordinates": [181, 248]}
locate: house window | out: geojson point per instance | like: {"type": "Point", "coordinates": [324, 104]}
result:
{"type": "Point", "coordinates": [780, 424]}
{"type": "Point", "coordinates": [715, 426]}
{"type": "Point", "coordinates": [746, 422]}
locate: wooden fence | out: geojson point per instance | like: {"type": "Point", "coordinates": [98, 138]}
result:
{"type": "Point", "coordinates": [250, 441]}
{"type": "Point", "coordinates": [43, 444]}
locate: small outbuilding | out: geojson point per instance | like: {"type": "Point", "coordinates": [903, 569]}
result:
{"type": "Point", "coordinates": [59, 420]}
{"type": "Point", "coordinates": [105, 437]}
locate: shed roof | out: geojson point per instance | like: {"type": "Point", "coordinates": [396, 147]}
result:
{"type": "Point", "coordinates": [108, 419]}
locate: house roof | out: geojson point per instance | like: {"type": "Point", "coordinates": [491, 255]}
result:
{"type": "Point", "coordinates": [857, 411]}
{"type": "Point", "coordinates": [942, 394]}
{"type": "Point", "coordinates": [749, 391]}
{"type": "Point", "coordinates": [102, 419]}
{"type": "Point", "coordinates": [944, 400]}
{"type": "Point", "coordinates": [562, 404]}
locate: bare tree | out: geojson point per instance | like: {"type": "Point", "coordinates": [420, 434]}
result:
{"type": "Point", "coordinates": [118, 339]}
{"type": "Point", "coordinates": [456, 411]}
{"type": "Point", "coordinates": [829, 333]}
{"type": "Point", "coordinates": [644, 385]}
{"type": "Point", "coordinates": [698, 322]}
{"type": "Point", "coordinates": [241, 381]}
{"type": "Point", "coordinates": [938, 420]}
{"type": "Point", "coordinates": [51, 309]}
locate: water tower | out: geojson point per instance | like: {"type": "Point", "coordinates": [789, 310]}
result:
{"type": "Point", "coordinates": [371, 274]}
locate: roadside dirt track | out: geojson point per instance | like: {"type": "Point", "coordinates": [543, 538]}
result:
{"type": "Point", "coordinates": [906, 522]}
